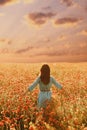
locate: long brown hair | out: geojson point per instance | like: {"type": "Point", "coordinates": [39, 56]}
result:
{"type": "Point", "coordinates": [45, 74]}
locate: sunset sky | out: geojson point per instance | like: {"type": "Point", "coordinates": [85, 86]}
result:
{"type": "Point", "coordinates": [43, 30]}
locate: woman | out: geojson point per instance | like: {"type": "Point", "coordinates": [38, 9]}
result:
{"type": "Point", "coordinates": [45, 81]}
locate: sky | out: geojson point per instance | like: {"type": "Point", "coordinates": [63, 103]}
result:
{"type": "Point", "coordinates": [43, 31]}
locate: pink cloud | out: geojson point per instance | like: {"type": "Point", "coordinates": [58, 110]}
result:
{"type": "Point", "coordinates": [24, 50]}
{"type": "Point", "coordinates": [40, 18]}
{"type": "Point", "coordinates": [5, 40]}
{"type": "Point", "coordinates": [67, 2]}
{"type": "Point", "coordinates": [67, 21]}
{"type": "Point", "coordinates": [7, 2]}
{"type": "Point", "coordinates": [84, 32]}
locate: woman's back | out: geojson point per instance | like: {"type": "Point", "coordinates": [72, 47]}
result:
{"type": "Point", "coordinates": [45, 81]}
{"type": "Point", "coordinates": [44, 87]}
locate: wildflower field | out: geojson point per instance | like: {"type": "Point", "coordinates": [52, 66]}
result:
{"type": "Point", "coordinates": [67, 111]}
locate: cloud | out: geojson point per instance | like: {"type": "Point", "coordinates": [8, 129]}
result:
{"type": "Point", "coordinates": [4, 50]}
{"type": "Point", "coordinates": [83, 32]}
{"type": "Point", "coordinates": [67, 21]}
{"type": "Point", "coordinates": [1, 14]}
{"type": "Point", "coordinates": [5, 45]}
{"type": "Point", "coordinates": [83, 45]}
{"type": "Point", "coordinates": [86, 9]}
{"type": "Point", "coordinates": [5, 41]}
{"type": "Point", "coordinates": [68, 2]}
{"type": "Point", "coordinates": [39, 18]}
{"type": "Point", "coordinates": [55, 53]}
{"type": "Point", "coordinates": [24, 50]}
{"type": "Point", "coordinates": [2, 40]}
{"type": "Point", "coordinates": [62, 37]}
{"type": "Point", "coordinates": [78, 48]}
{"type": "Point", "coordinates": [47, 8]}
{"type": "Point", "coordinates": [44, 40]}
{"type": "Point", "coordinates": [28, 1]}
{"type": "Point", "coordinates": [7, 2]}
{"type": "Point", "coordinates": [65, 49]}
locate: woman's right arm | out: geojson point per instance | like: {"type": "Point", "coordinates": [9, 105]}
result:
{"type": "Point", "coordinates": [32, 86]}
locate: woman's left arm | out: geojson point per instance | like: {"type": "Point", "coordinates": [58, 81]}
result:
{"type": "Point", "coordinates": [56, 83]}
{"type": "Point", "coordinates": [62, 90]}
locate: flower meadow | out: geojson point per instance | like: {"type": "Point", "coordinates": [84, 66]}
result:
{"type": "Point", "coordinates": [66, 111]}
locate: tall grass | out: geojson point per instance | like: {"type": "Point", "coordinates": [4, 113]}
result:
{"type": "Point", "coordinates": [65, 111]}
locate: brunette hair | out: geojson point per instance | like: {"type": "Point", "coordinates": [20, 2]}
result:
{"type": "Point", "coordinates": [45, 74]}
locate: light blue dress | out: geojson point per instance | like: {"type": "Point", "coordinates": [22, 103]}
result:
{"type": "Point", "coordinates": [44, 95]}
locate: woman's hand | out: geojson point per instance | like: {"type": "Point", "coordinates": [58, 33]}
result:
{"type": "Point", "coordinates": [24, 94]}
{"type": "Point", "coordinates": [64, 92]}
